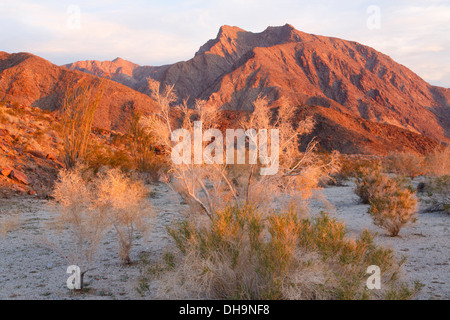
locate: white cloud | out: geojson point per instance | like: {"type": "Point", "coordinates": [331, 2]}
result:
{"type": "Point", "coordinates": [414, 33]}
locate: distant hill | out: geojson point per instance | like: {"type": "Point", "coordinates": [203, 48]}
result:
{"type": "Point", "coordinates": [33, 81]}
{"type": "Point", "coordinates": [362, 100]}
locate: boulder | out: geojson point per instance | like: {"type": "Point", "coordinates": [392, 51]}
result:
{"type": "Point", "coordinates": [20, 177]}
{"type": "Point", "coordinates": [5, 172]}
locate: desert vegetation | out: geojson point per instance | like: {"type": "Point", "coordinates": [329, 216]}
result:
{"type": "Point", "coordinates": [246, 235]}
{"type": "Point", "coordinates": [90, 205]}
{"type": "Point", "coordinates": [405, 164]}
{"type": "Point", "coordinates": [393, 204]}
{"type": "Point", "coordinates": [245, 254]}
{"type": "Point", "coordinates": [251, 236]}
{"type": "Point", "coordinates": [77, 114]}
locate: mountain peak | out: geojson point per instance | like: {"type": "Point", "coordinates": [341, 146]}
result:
{"type": "Point", "coordinates": [229, 30]}
{"type": "Point", "coordinates": [234, 41]}
{"type": "Point", "coordinates": [286, 27]}
{"type": "Point", "coordinates": [119, 59]}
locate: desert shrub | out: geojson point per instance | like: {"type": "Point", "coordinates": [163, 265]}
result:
{"type": "Point", "coordinates": [73, 195]}
{"type": "Point", "coordinates": [210, 187]}
{"type": "Point", "coordinates": [349, 168]}
{"type": "Point", "coordinates": [438, 191]}
{"type": "Point", "coordinates": [89, 205]}
{"type": "Point", "coordinates": [406, 164]}
{"type": "Point", "coordinates": [142, 145]}
{"type": "Point", "coordinates": [99, 156]}
{"type": "Point", "coordinates": [393, 204]}
{"type": "Point", "coordinates": [243, 254]}
{"type": "Point", "coordinates": [348, 259]}
{"type": "Point", "coordinates": [77, 113]}
{"type": "Point", "coordinates": [438, 162]}
{"type": "Point", "coordinates": [232, 254]}
{"type": "Point", "coordinates": [369, 181]}
{"type": "Point", "coordinates": [394, 208]}
{"type": "Point", "coordinates": [122, 201]}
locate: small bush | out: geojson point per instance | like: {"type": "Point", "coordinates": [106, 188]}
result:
{"type": "Point", "coordinates": [350, 166]}
{"type": "Point", "coordinates": [406, 164]}
{"type": "Point", "coordinates": [122, 201]}
{"type": "Point", "coordinates": [73, 195]}
{"type": "Point", "coordinates": [393, 205]}
{"type": "Point", "coordinates": [91, 204]}
{"type": "Point", "coordinates": [369, 181]}
{"type": "Point", "coordinates": [100, 156]}
{"type": "Point", "coordinates": [348, 259]}
{"type": "Point", "coordinates": [438, 162]}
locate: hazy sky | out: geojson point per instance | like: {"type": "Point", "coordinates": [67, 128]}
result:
{"type": "Point", "coordinates": [414, 33]}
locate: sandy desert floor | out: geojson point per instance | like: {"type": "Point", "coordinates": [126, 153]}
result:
{"type": "Point", "coordinates": [29, 269]}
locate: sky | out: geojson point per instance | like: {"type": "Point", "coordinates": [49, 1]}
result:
{"type": "Point", "coordinates": [413, 33]}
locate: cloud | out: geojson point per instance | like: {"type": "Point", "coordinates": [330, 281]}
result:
{"type": "Point", "coordinates": [414, 33]}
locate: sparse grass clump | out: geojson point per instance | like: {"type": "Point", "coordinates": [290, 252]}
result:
{"type": "Point", "coordinates": [8, 223]}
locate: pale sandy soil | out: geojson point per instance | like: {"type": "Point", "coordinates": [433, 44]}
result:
{"type": "Point", "coordinates": [31, 270]}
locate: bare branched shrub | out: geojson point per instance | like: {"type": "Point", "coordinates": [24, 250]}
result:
{"type": "Point", "coordinates": [77, 113]}
{"type": "Point", "coordinates": [122, 201]}
{"type": "Point", "coordinates": [73, 197]}
{"type": "Point", "coordinates": [392, 204]}
{"type": "Point", "coordinates": [210, 187]}
{"type": "Point", "coordinates": [406, 164]}
{"type": "Point", "coordinates": [90, 205]}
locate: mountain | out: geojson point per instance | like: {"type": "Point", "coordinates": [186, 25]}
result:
{"type": "Point", "coordinates": [321, 72]}
{"type": "Point", "coordinates": [32, 81]}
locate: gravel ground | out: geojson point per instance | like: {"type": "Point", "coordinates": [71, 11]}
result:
{"type": "Point", "coordinates": [31, 270]}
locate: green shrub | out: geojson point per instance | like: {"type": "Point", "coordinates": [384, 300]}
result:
{"type": "Point", "coordinates": [244, 254]}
